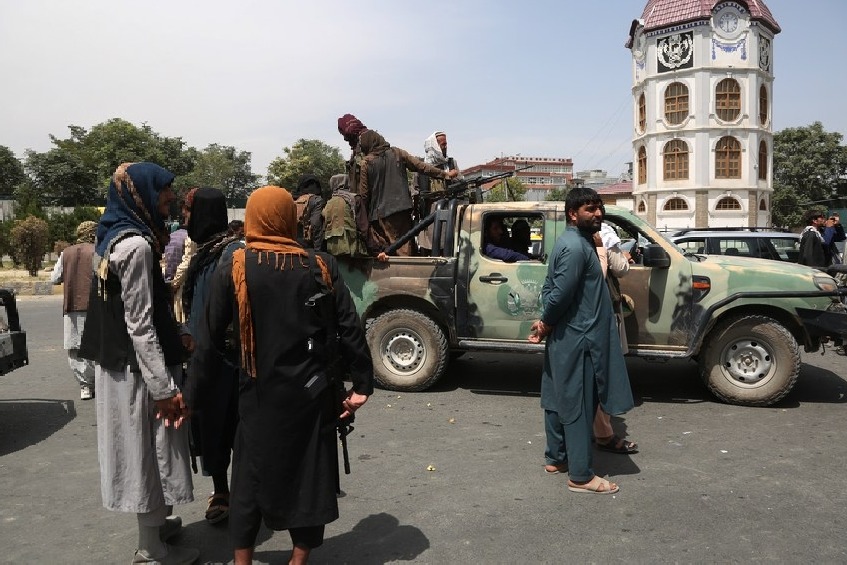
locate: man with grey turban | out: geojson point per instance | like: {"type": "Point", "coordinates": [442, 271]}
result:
{"type": "Point", "coordinates": [74, 270]}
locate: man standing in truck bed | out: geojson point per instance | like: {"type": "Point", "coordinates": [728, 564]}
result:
{"type": "Point", "coordinates": [385, 187]}
{"type": "Point", "coordinates": [583, 363]}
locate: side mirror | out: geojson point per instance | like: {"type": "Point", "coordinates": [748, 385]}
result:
{"type": "Point", "coordinates": [656, 257]}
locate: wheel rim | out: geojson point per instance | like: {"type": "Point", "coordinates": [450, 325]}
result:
{"type": "Point", "coordinates": [403, 351]}
{"type": "Point", "coordinates": [748, 362]}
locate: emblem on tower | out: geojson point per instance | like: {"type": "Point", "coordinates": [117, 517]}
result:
{"type": "Point", "coordinates": [675, 52]}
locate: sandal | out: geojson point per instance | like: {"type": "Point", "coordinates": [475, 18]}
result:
{"type": "Point", "coordinates": [555, 468]}
{"type": "Point", "coordinates": [597, 485]}
{"type": "Point", "coordinates": [218, 508]}
{"type": "Point", "coordinates": [617, 445]}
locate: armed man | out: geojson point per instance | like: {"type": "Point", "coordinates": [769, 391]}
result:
{"type": "Point", "coordinates": [385, 186]}
{"type": "Point", "coordinates": [435, 147]}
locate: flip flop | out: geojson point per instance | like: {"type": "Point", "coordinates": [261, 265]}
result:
{"type": "Point", "coordinates": [601, 487]}
{"type": "Point", "coordinates": [618, 445]}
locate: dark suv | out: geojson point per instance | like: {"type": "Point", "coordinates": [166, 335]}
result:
{"type": "Point", "coordinates": [761, 243]}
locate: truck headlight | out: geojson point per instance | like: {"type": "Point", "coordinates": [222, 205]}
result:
{"type": "Point", "coordinates": [825, 283]}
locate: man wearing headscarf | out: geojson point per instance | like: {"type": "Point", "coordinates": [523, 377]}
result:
{"type": "Point", "coordinates": [350, 128]}
{"type": "Point", "coordinates": [385, 187]}
{"type": "Point", "coordinates": [310, 224]}
{"type": "Point", "coordinates": [73, 268]}
{"type": "Point", "coordinates": [285, 464]}
{"type": "Point", "coordinates": [435, 149]}
{"type": "Point", "coordinates": [215, 407]}
{"type": "Point", "coordinates": [136, 345]}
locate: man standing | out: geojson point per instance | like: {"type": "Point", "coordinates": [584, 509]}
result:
{"type": "Point", "coordinates": [833, 234]}
{"type": "Point", "coordinates": [385, 187]}
{"type": "Point", "coordinates": [74, 270]}
{"type": "Point", "coordinates": [309, 200]}
{"type": "Point", "coordinates": [132, 337]}
{"type": "Point", "coordinates": [812, 252]}
{"type": "Point", "coordinates": [350, 127]}
{"type": "Point", "coordinates": [583, 363]}
{"type": "Point", "coordinates": [435, 147]}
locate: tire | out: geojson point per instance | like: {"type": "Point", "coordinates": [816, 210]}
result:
{"type": "Point", "coordinates": [750, 361]}
{"type": "Point", "coordinates": [409, 350]}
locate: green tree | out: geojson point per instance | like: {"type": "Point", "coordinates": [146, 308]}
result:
{"type": "Point", "coordinates": [63, 224]}
{"type": "Point", "coordinates": [306, 157]}
{"type": "Point", "coordinates": [516, 191]}
{"type": "Point", "coordinates": [28, 201]}
{"type": "Point", "coordinates": [558, 194]}
{"type": "Point", "coordinates": [223, 167]}
{"type": "Point", "coordinates": [807, 165]}
{"type": "Point", "coordinates": [11, 171]}
{"type": "Point", "coordinates": [62, 178]}
{"type": "Point", "coordinates": [30, 240]}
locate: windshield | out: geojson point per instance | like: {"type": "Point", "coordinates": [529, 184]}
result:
{"type": "Point", "coordinates": [629, 226]}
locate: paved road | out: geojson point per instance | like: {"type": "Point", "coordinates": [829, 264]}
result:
{"type": "Point", "coordinates": [712, 483]}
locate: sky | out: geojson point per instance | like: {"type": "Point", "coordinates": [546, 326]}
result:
{"type": "Point", "coordinates": [539, 78]}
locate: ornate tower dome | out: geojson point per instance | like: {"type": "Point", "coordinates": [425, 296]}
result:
{"type": "Point", "coordinates": [702, 92]}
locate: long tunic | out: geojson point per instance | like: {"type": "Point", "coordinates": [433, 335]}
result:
{"type": "Point", "coordinates": [143, 464]}
{"type": "Point", "coordinates": [285, 456]}
{"type": "Point", "coordinates": [577, 304]}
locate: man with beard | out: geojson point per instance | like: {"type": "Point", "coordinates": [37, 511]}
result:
{"type": "Point", "coordinates": [435, 147]}
{"type": "Point", "coordinates": [583, 363]}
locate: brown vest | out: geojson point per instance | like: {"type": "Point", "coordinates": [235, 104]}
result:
{"type": "Point", "coordinates": [77, 272]}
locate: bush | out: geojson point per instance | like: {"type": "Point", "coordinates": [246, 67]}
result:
{"type": "Point", "coordinates": [30, 238]}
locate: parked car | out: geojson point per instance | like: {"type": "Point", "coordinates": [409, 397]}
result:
{"type": "Point", "coordinates": [741, 242]}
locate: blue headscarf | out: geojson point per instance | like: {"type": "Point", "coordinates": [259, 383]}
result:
{"type": "Point", "coordinates": [132, 206]}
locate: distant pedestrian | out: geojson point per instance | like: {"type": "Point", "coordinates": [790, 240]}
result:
{"type": "Point", "coordinates": [583, 363]}
{"type": "Point", "coordinates": [73, 268]}
{"type": "Point", "coordinates": [812, 252]}
{"type": "Point", "coordinates": [833, 234]}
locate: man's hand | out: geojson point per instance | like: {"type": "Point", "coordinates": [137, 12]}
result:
{"type": "Point", "coordinates": [172, 410]}
{"type": "Point", "coordinates": [598, 241]}
{"type": "Point", "coordinates": [452, 173]}
{"type": "Point", "coordinates": [353, 402]}
{"type": "Point", "coordinates": [539, 331]}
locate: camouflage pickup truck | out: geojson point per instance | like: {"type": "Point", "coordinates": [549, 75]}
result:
{"type": "Point", "coordinates": [742, 319]}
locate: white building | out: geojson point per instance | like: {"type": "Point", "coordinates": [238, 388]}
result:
{"type": "Point", "coordinates": [702, 94]}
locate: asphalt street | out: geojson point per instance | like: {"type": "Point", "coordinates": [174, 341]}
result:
{"type": "Point", "coordinates": [454, 474]}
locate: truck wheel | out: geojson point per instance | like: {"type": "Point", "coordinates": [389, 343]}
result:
{"type": "Point", "coordinates": [750, 360]}
{"type": "Point", "coordinates": [409, 350]}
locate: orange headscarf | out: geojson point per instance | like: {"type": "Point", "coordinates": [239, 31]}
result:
{"type": "Point", "coordinates": [270, 228]}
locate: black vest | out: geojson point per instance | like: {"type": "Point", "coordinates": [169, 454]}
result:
{"type": "Point", "coordinates": [105, 339]}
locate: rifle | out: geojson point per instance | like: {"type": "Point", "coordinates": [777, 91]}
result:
{"type": "Point", "coordinates": [458, 188]}
{"type": "Point", "coordinates": [329, 352]}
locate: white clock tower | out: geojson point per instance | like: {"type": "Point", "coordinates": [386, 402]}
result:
{"type": "Point", "coordinates": [702, 130]}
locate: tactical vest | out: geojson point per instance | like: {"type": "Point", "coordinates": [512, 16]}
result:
{"type": "Point", "coordinates": [106, 340]}
{"type": "Point", "coordinates": [343, 230]}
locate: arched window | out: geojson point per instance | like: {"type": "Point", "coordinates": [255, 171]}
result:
{"type": "Point", "coordinates": [676, 103]}
{"type": "Point", "coordinates": [763, 105]}
{"type": "Point", "coordinates": [642, 207]}
{"type": "Point", "coordinates": [676, 159]}
{"type": "Point", "coordinates": [642, 165]}
{"type": "Point", "coordinates": [728, 203]}
{"type": "Point", "coordinates": [642, 113]}
{"type": "Point", "coordinates": [763, 206]}
{"type": "Point", "coordinates": [728, 158]}
{"type": "Point", "coordinates": [763, 160]}
{"type": "Point", "coordinates": [728, 99]}
{"type": "Point", "coordinates": [675, 204]}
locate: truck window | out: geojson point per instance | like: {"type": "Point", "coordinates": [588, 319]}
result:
{"type": "Point", "coordinates": [513, 238]}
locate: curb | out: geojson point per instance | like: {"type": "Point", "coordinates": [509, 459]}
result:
{"type": "Point", "coordinates": [32, 288]}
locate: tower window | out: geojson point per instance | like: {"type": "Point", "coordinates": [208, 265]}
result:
{"type": "Point", "coordinates": [728, 99]}
{"type": "Point", "coordinates": [727, 203]}
{"type": "Point", "coordinates": [675, 204]}
{"type": "Point", "coordinates": [763, 105]}
{"type": "Point", "coordinates": [676, 159]}
{"type": "Point", "coordinates": [676, 103]}
{"type": "Point", "coordinates": [642, 113]}
{"type": "Point", "coordinates": [763, 160]}
{"type": "Point", "coordinates": [642, 165]}
{"type": "Point", "coordinates": [728, 158]}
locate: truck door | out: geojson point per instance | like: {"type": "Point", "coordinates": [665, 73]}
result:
{"type": "Point", "coordinates": [503, 297]}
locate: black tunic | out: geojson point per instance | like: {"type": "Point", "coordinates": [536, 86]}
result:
{"type": "Point", "coordinates": [285, 466]}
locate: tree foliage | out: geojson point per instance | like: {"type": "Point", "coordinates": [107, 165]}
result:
{"type": "Point", "coordinates": [63, 224]}
{"type": "Point", "coordinates": [30, 238]}
{"type": "Point", "coordinates": [558, 194]}
{"type": "Point", "coordinates": [306, 157]}
{"type": "Point", "coordinates": [11, 171]}
{"type": "Point", "coordinates": [516, 191]}
{"type": "Point", "coordinates": [808, 163]}
{"type": "Point", "coordinates": [223, 167]}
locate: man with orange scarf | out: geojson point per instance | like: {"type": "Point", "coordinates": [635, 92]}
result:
{"type": "Point", "coordinates": [285, 463]}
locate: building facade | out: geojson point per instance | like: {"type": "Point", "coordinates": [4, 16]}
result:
{"type": "Point", "coordinates": [540, 175]}
{"type": "Point", "coordinates": [702, 96]}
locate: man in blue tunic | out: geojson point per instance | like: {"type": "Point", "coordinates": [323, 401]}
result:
{"type": "Point", "coordinates": [583, 363]}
